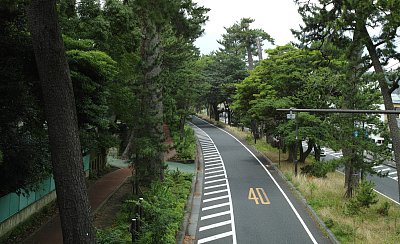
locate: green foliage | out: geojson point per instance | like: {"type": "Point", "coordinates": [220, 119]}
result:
{"type": "Point", "coordinates": [23, 140]}
{"type": "Point", "coordinates": [319, 169]}
{"type": "Point", "coordinates": [329, 223]}
{"type": "Point", "coordinates": [185, 148]}
{"type": "Point", "coordinates": [163, 206]}
{"type": "Point", "coordinates": [365, 196]}
{"type": "Point", "coordinates": [114, 235]}
{"type": "Point", "coordinates": [384, 209]}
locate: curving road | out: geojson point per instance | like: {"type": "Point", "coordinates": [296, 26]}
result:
{"type": "Point", "coordinates": [243, 201]}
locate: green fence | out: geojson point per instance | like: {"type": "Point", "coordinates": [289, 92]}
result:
{"type": "Point", "coordinates": [13, 203]}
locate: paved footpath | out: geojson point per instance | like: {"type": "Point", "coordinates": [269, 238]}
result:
{"type": "Point", "coordinates": [99, 192]}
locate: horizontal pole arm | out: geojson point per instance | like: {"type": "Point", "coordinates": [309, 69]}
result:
{"type": "Point", "coordinates": [347, 111]}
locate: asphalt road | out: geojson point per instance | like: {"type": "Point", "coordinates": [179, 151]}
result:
{"type": "Point", "coordinates": [386, 186]}
{"type": "Point", "coordinates": [243, 201]}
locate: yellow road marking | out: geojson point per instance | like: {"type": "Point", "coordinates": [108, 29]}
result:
{"type": "Point", "coordinates": [258, 195]}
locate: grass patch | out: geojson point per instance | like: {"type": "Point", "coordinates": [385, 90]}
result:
{"type": "Point", "coordinates": [379, 223]}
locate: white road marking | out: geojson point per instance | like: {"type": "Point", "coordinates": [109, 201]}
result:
{"type": "Point", "coordinates": [208, 157]}
{"type": "Point", "coordinates": [378, 166]}
{"type": "Point", "coordinates": [207, 227]}
{"type": "Point", "coordinates": [215, 192]}
{"type": "Point", "coordinates": [213, 161]}
{"type": "Point", "coordinates": [383, 170]}
{"type": "Point", "coordinates": [212, 168]}
{"type": "Point", "coordinates": [392, 173]}
{"type": "Point", "coordinates": [208, 148]}
{"type": "Point", "coordinates": [215, 215]}
{"type": "Point", "coordinates": [213, 181]}
{"type": "Point", "coordinates": [213, 172]}
{"type": "Point", "coordinates": [216, 186]}
{"type": "Point", "coordinates": [215, 206]}
{"type": "Point", "coordinates": [210, 153]}
{"type": "Point", "coordinates": [387, 197]}
{"type": "Point", "coordinates": [215, 198]}
{"type": "Point", "coordinates": [216, 237]}
{"type": "Point", "coordinates": [277, 185]}
{"type": "Point", "coordinates": [394, 178]}
{"type": "Point", "coordinates": [207, 162]}
{"type": "Point", "coordinates": [214, 176]}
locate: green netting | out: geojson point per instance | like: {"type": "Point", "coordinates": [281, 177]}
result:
{"type": "Point", "coordinates": [86, 162]}
{"type": "Point", "coordinates": [31, 198]}
{"type": "Point", "coordinates": [14, 203]}
{"type": "Point", "coordinates": [52, 184]}
{"type": "Point", "coordinates": [4, 207]}
{"type": "Point", "coordinates": [43, 190]}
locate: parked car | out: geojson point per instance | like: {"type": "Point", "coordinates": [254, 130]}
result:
{"type": "Point", "coordinates": [322, 153]}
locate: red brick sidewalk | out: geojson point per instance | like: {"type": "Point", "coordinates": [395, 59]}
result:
{"type": "Point", "coordinates": [99, 192]}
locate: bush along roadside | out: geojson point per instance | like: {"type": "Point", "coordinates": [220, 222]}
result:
{"type": "Point", "coordinates": [158, 215]}
{"type": "Point", "coordinates": [185, 146]}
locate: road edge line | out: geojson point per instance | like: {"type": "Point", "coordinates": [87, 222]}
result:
{"type": "Point", "coordinates": [234, 239]}
{"type": "Point", "coordinates": [275, 182]}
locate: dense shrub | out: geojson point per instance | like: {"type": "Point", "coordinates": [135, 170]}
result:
{"type": "Point", "coordinates": [319, 168]}
{"type": "Point", "coordinates": [185, 148]}
{"type": "Point", "coordinates": [163, 208]}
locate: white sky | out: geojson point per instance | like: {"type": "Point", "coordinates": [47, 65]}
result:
{"type": "Point", "coordinates": [276, 17]}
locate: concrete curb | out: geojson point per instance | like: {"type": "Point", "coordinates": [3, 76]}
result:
{"type": "Point", "coordinates": [187, 233]}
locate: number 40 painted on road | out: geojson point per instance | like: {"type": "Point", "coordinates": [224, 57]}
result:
{"type": "Point", "coordinates": [258, 195]}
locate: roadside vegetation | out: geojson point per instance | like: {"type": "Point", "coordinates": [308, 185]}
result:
{"type": "Point", "coordinates": [185, 145]}
{"type": "Point", "coordinates": [163, 208]}
{"type": "Point", "coordinates": [366, 218]}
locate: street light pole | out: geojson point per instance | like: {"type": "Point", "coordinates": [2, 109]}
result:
{"type": "Point", "coordinates": [297, 145]}
{"type": "Point", "coordinates": [295, 161]}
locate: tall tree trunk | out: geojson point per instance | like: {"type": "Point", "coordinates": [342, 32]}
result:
{"type": "Point", "coordinates": [250, 56]}
{"type": "Point", "coordinates": [351, 173]}
{"type": "Point", "coordinates": [62, 123]}
{"type": "Point", "coordinates": [387, 98]}
{"type": "Point", "coordinates": [215, 111]}
{"type": "Point", "coordinates": [259, 49]}
{"type": "Point", "coordinates": [151, 53]}
{"type": "Point", "coordinates": [128, 148]}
